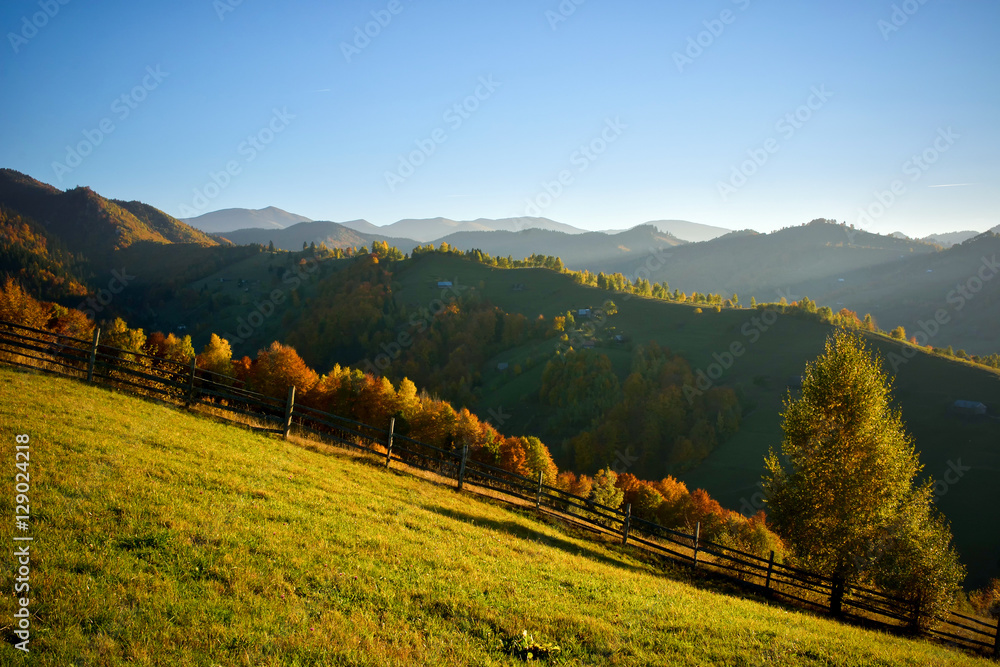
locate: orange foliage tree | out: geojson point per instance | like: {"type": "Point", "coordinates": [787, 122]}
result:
{"type": "Point", "coordinates": [279, 367]}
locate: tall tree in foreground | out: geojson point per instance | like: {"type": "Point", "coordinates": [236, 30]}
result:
{"type": "Point", "coordinates": [844, 493]}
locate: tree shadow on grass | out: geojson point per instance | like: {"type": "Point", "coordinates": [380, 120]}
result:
{"type": "Point", "coordinates": [646, 561]}
{"type": "Point", "coordinates": [527, 533]}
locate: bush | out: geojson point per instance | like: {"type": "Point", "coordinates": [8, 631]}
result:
{"type": "Point", "coordinates": [921, 566]}
{"type": "Point", "coordinates": [986, 601]}
{"type": "Point", "coordinates": [525, 647]}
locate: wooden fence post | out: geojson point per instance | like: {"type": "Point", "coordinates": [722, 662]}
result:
{"type": "Point", "coordinates": [461, 469]}
{"type": "Point", "coordinates": [996, 641]}
{"type": "Point", "coordinates": [770, 569]}
{"type": "Point", "coordinates": [289, 407]}
{"type": "Point", "coordinates": [388, 444]}
{"type": "Point", "coordinates": [836, 595]}
{"type": "Point", "coordinates": [538, 495]}
{"type": "Point", "coordinates": [697, 533]}
{"type": "Point", "coordinates": [93, 354]}
{"type": "Point", "coordinates": [626, 522]}
{"type": "Point", "coordinates": [190, 392]}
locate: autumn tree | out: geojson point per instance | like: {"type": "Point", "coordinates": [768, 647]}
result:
{"type": "Point", "coordinates": [216, 357]}
{"type": "Point", "coordinates": [279, 367]}
{"type": "Point", "coordinates": [986, 601]}
{"type": "Point", "coordinates": [705, 512]}
{"type": "Point", "coordinates": [581, 385]}
{"type": "Point", "coordinates": [170, 347]}
{"type": "Point", "coordinates": [641, 495]}
{"type": "Point", "coordinates": [843, 489]}
{"type": "Point", "coordinates": [70, 322]}
{"type": "Point", "coordinates": [605, 490]}
{"type": "Point", "coordinates": [513, 456]}
{"type": "Point", "coordinates": [119, 335]}
{"type": "Point", "coordinates": [539, 460]}
{"type": "Point", "coordinates": [672, 511]}
{"type": "Point", "coordinates": [19, 307]}
{"type": "Point", "coordinates": [578, 486]}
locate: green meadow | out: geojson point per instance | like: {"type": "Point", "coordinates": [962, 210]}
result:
{"type": "Point", "coordinates": [164, 537]}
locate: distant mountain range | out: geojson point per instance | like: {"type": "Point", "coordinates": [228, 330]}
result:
{"type": "Point", "coordinates": [333, 234]}
{"type": "Point", "coordinates": [230, 219]}
{"type": "Point", "coordinates": [762, 265]}
{"type": "Point", "coordinates": [64, 244]}
{"type": "Point", "coordinates": [425, 230]}
{"type": "Point", "coordinates": [954, 238]}
{"type": "Point", "coordinates": [950, 239]}
{"type": "Point", "coordinates": [595, 251]}
{"type": "Point", "coordinates": [431, 229]}
{"type": "Point", "coordinates": [693, 232]}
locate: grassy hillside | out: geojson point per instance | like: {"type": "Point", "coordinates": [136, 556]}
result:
{"type": "Point", "coordinates": [775, 355]}
{"type": "Point", "coordinates": [165, 538]}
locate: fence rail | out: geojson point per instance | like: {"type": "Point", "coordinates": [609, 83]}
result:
{"type": "Point", "coordinates": [184, 382]}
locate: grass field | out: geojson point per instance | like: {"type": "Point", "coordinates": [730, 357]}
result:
{"type": "Point", "coordinates": [165, 538]}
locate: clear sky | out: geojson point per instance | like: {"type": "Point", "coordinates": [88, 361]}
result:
{"type": "Point", "coordinates": [741, 114]}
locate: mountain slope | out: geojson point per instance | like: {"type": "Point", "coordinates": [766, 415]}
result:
{"type": "Point", "coordinates": [217, 546]}
{"type": "Point", "coordinates": [38, 260]}
{"type": "Point", "coordinates": [752, 264]}
{"type": "Point", "coordinates": [88, 223]}
{"type": "Point", "coordinates": [962, 281]}
{"type": "Point", "coordinates": [231, 219]}
{"type": "Point", "coordinates": [172, 229]}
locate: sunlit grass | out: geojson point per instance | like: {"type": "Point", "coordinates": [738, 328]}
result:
{"type": "Point", "coordinates": [167, 538]}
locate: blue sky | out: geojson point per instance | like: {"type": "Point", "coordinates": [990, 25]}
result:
{"type": "Point", "coordinates": [741, 114]}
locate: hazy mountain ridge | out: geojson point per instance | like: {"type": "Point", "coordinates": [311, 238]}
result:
{"type": "Point", "coordinates": [232, 219]}
{"type": "Point", "coordinates": [753, 264]}
{"type": "Point", "coordinates": [333, 234]}
{"type": "Point", "coordinates": [692, 232]}
{"type": "Point", "coordinates": [949, 239]}
{"type": "Point", "coordinates": [960, 281]}
{"type": "Point", "coordinates": [426, 230]}
{"type": "Point", "coordinates": [594, 251]}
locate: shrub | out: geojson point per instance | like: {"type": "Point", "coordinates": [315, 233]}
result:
{"type": "Point", "coordinates": [986, 601]}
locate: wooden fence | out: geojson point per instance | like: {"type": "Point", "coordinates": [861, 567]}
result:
{"type": "Point", "coordinates": [185, 383]}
